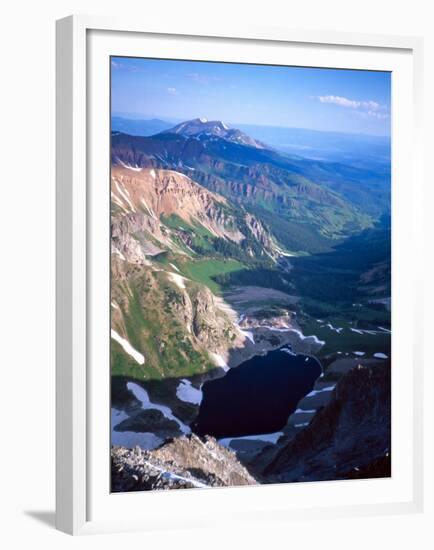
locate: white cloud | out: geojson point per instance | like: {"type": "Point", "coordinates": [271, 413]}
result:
{"type": "Point", "coordinates": [126, 67]}
{"type": "Point", "coordinates": [375, 114]}
{"type": "Point", "coordinates": [368, 108]}
{"type": "Point", "coordinates": [172, 91]}
{"type": "Point", "coordinates": [202, 79]}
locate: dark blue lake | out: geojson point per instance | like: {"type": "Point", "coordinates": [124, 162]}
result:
{"type": "Point", "coordinates": [256, 397]}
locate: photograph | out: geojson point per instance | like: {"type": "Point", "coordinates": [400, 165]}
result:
{"type": "Point", "coordinates": [250, 274]}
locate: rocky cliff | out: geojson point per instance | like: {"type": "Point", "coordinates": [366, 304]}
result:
{"type": "Point", "coordinates": [185, 462]}
{"type": "Point", "coordinates": [350, 435]}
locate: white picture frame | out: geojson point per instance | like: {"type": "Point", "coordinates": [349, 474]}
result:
{"type": "Point", "coordinates": [82, 458]}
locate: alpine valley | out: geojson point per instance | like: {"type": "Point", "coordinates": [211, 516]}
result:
{"type": "Point", "coordinates": [250, 309]}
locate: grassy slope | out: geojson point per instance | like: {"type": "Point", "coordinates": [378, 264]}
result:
{"type": "Point", "coordinates": [152, 328]}
{"type": "Point", "coordinates": [347, 341]}
{"type": "Point", "coordinates": [204, 271]}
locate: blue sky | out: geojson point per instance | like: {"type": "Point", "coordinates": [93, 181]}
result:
{"type": "Point", "coordinates": [293, 97]}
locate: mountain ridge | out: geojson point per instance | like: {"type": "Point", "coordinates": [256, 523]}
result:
{"type": "Point", "coordinates": [318, 195]}
{"type": "Point", "coordinates": [202, 128]}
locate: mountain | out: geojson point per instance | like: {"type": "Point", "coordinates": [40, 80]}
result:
{"type": "Point", "coordinates": [169, 235]}
{"type": "Point", "coordinates": [202, 278]}
{"type": "Point", "coordinates": [309, 203]}
{"type": "Point", "coordinates": [366, 152]}
{"type": "Point", "coordinates": [203, 129]}
{"type": "Point", "coordinates": [175, 213]}
{"type": "Point", "coordinates": [350, 149]}
{"type": "Point", "coordinates": [139, 127]}
{"type": "Point", "coordinates": [349, 434]}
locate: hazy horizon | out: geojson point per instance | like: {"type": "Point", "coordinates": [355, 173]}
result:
{"type": "Point", "coordinates": [138, 117]}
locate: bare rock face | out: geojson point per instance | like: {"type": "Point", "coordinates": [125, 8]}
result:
{"type": "Point", "coordinates": [185, 462]}
{"type": "Point", "coordinates": [351, 434]}
{"type": "Point", "coordinates": [151, 195]}
{"type": "Point", "coordinates": [260, 234]}
{"type": "Point", "coordinates": [211, 326]}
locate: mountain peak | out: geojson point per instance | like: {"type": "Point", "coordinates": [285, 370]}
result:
{"type": "Point", "coordinates": [204, 129]}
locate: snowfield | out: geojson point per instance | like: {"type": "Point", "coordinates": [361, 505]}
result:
{"type": "Point", "coordinates": [178, 280]}
{"type": "Point", "coordinates": [171, 475]}
{"type": "Point", "coordinates": [129, 167]}
{"type": "Point", "coordinates": [311, 338]}
{"type": "Point", "coordinates": [288, 351]}
{"type": "Point", "coordinates": [142, 395]}
{"type": "Point", "coordinates": [315, 392]}
{"type": "Point", "coordinates": [379, 355]}
{"type": "Point", "coordinates": [188, 393]}
{"type": "Point", "coordinates": [248, 334]}
{"type": "Point", "coordinates": [117, 416]}
{"type": "Point", "coordinates": [128, 348]}
{"type": "Point", "coordinates": [219, 361]}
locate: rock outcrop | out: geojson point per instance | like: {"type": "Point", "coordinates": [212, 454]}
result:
{"type": "Point", "coordinates": [184, 463]}
{"type": "Point", "coordinates": [349, 435]}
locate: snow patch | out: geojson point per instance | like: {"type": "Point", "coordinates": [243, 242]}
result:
{"type": "Point", "coordinates": [315, 392]}
{"type": "Point", "coordinates": [174, 267]}
{"type": "Point", "coordinates": [128, 348]}
{"type": "Point", "coordinates": [153, 174]}
{"type": "Point", "coordinates": [335, 329]}
{"type": "Point", "coordinates": [118, 252]}
{"type": "Point", "coordinates": [117, 201]}
{"type": "Point", "coordinates": [188, 393]}
{"type": "Point", "coordinates": [151, 212]}
{"type": "Point", "coordinates": [142, 395]}
{"type": "Point", "coordinates": [359, 353]}
{"type": "Point", "coordinates": [288, 351]}
{"type": "Point", "coordinates": [248, 334]}
{"type": "Point", "coordinates": [380, 355]}
{"type": "Point", "coordinates": [117, 416]}
{"type": "Point", "coordinates": [134, 168]}
{"type": "Point", "coordinates": [124, 195]}
{"type": "Point", "coordinates": [176, 477]}
{"type": "Point", "coordinates": [311, 338]}
{"type": "Point", "coordinates": [178, 280]}
{"type": "Point", "coordinates": [219, 361]}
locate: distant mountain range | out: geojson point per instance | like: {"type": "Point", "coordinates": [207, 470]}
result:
{"type": "Point", "coordinates": [307, 204]}
{"type": "Point", "coordinates": [139, 127]}
{"type": "Point", "coordinates": [353, 149]}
